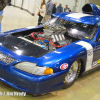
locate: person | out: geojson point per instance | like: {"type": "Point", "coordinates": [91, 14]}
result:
{"type": "Point", "coordinates": [66, 9]}
{"type": "Point", "coordinates": [3, 4]}
{"type": "Point", "coordinates": [42, 10]}
{"type": "Point", "coordinates": [59, 8]}
{"type": "Point", "coordinates": [49, 7]}
{"type": "Point", "coordinates": [54, 9]}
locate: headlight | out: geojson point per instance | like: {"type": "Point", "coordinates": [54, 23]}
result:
{"type": "Point", "coordinates": [33, 69]}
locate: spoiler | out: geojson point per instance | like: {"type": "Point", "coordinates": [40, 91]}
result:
{"type": "Point", "coordinates": [91, 9]}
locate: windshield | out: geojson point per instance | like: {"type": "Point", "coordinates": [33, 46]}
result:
{"type": "Point", "coordinates": [76, 30]}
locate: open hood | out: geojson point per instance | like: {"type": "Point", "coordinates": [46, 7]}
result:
{"type": "Point", "coordinates": [22, 47]}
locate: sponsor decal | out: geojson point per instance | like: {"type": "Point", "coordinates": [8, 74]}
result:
{"type": "Point", "coordinates": [94, 63]}
{"type": "Point", "coordinates": [98, 61]}
{"type": "Point", "coordinates": [87, 37]}
{"type": "Point", "coordinates": [64, 66]}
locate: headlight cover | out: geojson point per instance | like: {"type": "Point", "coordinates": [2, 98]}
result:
{"type": "Point", "coordinates": [33, 69]}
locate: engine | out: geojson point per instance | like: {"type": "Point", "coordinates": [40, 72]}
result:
{"type": "Point", "coordinates": [51, 38]}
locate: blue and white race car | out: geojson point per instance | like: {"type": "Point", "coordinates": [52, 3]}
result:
{"type": "Point", "coordinates": [51, 56]}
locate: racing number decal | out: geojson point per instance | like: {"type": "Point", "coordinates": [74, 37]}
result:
{"type": "Point", "coordinates": [64, 66]}
{"type": "Point", "coordinates": [89, 50]}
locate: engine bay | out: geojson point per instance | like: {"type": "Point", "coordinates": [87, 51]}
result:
{"type": "Point", "coordinates": [56, 33]}
{"type": "Point", "coordinates": [51, 38]}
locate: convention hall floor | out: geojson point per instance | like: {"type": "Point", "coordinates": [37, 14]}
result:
{"type": "Point", "coordinates": [85, 88]}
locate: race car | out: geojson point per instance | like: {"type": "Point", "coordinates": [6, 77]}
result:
{"type": "Point", "coordinates": [51, 56]}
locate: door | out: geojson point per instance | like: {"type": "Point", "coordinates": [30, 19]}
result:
{"type": "Point", "coordinates": [96, 58]}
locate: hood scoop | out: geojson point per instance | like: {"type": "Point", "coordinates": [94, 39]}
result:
{"type": "Point", "coordinates": [91, 9]}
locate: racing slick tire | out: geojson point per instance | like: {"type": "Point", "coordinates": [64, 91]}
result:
{"type": "Point", "coordinates": [72, 74]}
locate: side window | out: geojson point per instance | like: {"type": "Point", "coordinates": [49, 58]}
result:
{"type": "Point", "coordinates": [98, 37]}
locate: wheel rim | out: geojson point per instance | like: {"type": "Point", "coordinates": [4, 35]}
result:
{"type": "Point", "coordinates": [71, 75]}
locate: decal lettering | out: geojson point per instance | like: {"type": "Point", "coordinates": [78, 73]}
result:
{"type": "Point", "coordinates": [90, 52]}
{"type": "Point", "coordinates": [64, 66]}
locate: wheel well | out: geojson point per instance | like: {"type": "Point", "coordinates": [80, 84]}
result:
{"type": "Point", "coordinates": [81, 63]}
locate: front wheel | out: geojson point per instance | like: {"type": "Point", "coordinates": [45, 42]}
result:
{"type": "Point", "coordinates": [72, 74]}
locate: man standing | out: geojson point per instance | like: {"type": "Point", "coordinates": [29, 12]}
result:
{"type": "Point", "coordinates": [59, 8]}
{"type": "Point", "coordinates": [3, 4]}
{"type": "Point", "coordinates": [66, 9]}
{"type": "Point", "coordinates": [49, 7]}
{"type": "Point", "coordinates": [54, 9]}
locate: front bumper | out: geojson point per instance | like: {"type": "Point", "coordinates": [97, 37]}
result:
{"type": "Point", "coordinates": [31, 84]}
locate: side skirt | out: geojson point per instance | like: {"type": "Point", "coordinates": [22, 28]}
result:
{"type": "Point", "coordinates": [91, 70]}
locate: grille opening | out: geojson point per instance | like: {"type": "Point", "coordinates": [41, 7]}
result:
{"type": "Point", "coordinates": [6, 59]}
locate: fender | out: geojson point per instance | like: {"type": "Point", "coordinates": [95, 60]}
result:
{"type": "Point", "coordinates": [68, 54]}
